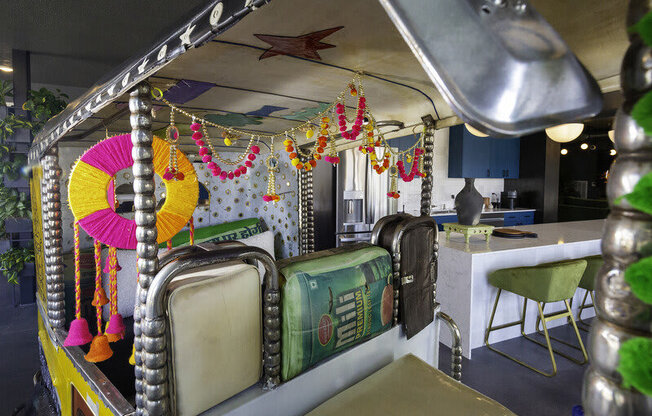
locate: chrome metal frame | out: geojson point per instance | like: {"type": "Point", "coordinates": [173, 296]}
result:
{"type": "Point", "coordinates": [52, 238]}
{"type": "Point", "coordinates": [155, 310]}
{"type": "Point", "coordinates": [306, 212]}
{"type": "Point", "coordinates": [626, 235]}
{"type": "Point", "coordinates": [149, 339]}
{"type": "Point", "coordinates": [456, 349]}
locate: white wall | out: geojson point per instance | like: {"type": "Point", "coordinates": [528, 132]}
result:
{"type": "Point", "coordinates": [443, 186]}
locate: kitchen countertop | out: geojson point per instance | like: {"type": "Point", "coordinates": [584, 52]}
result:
{"type": "Point", "coordinates": [493, 211]}
{"type": "Point", "coordinates": [548, 235]}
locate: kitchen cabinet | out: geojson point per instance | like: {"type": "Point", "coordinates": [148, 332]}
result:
{"type": "Point", "coordinates": [470, 156]}
{"type": "Point", "coordinates": [519, 218]}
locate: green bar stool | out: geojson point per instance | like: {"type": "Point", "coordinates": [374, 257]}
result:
{"type": "Point", "coordinates": [593, 265]}
{"type": "Point", "coordinates": [548, 282]}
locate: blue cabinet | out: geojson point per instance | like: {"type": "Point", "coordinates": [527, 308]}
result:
{"type": "Point", "coordinates": [519, 218]}
{"type": "Point", "coordinates": [442, 219]}
{"type": "Point", "coordinates": [470, 156]}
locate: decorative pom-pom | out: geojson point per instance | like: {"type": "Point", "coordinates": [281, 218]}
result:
{"type": "Point", "coordinates": [313, 163]}
{"type": "Point", "coordinates": [635, 364]}
{"type": "Point", "coordinates": [168, 176]}
{"type": "Point", "coordinates": [179, 176]}
{"type": "Point", "coordinates": [203, 151]}
{"type": "Point", "coordinates": [206, 158]}
{"type": "Point", "coordinates": [200, 143]}
{"type": "Point", "coordinates": [248, 163]}
{"type": "Point", "coordinates": [267, 198]}
{"type": "Point", "coordinates": [237, 173]}
{"type": "Point", "coordinates": [223, 175]}
{"type": "Point", "coordinates": [295, 161]}
{"type": "Point", "coordinates": [230, 175]}
{"type": "Point", "coordinates": [255, 149]}
{"type": "Point", "coordinates": [195, 126]}
{"type": "Point", "coordinates": [251, 157]}
{"type": "Point", "coordinates": [212, 165]}
{"type": "Point", "coordinates": [197, 136]}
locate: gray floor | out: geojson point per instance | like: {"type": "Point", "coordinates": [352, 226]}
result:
{"type": "Point", "coordinates": [18, 351]}
{"type": "Point", "coordinates": [523, 391]}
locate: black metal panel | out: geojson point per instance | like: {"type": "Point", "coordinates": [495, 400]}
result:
{"type": "Point", "coordinates": [206, 23]}
{"type": "Point", "coordinates": [323, 188]}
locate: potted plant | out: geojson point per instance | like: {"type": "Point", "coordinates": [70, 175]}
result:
{"type": "Point", "coordinates": [15, 210]}
{"type": "Point", "coordinates": [17, 264]}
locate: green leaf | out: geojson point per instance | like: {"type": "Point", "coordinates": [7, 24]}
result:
{"type": "Point", "coordinates": [644, 28]}
{"type": "Point", "coordinates": [635, 364]}
{"type": "Point", "coordinates": [641, 196]}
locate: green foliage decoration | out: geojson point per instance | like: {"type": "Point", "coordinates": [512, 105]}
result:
{"type": "Point", "coordinates": [14, 204]}
{"type": "Point", "coordinates": [635, 365]}
{"type": "Point", "coordinates": [641, 196]}
{"type": "Point", "coordinates": [639, 277]}
{"type": "Point", "coordinates": [13, 262]}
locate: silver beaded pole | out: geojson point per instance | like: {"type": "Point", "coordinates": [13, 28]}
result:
{"type": "Point", "coordinates": [310, 213]}
{"type": "Point", "coordinates": [51, 193]}
{"type": "Point", "coordinates": [426, 189]}
{"type": "Point", "coordinates": [626, 237]}
{"type": "Point", "coordinates": [149, 340]}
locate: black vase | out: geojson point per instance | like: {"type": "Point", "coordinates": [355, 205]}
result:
{"type": "Point", "coordinates": [468, 204]}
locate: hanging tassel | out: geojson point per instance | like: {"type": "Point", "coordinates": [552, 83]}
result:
{"type": "Point", "coordinates": [191, 225]}
{"type": "Point", "coordinates": [78, 333]}
{"type": "Point", "coordinates": [132, 358]}
{"type": "Point", "coordinates": [100, 349]}
{"type": "Point", "coordinates": [115, 328]}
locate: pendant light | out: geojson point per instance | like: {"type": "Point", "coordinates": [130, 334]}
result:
{"type": "Point", "coordinates": [475, 131]}
{"type": "Point", "coordinates": [565, 133]}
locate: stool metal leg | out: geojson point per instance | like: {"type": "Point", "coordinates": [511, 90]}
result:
{"type": "Point", "coordinates": [521, 323]}
{"type": "Point", "coordinates": [557, 315]}
{"type": "Point", "coordinates": [568, 320]}
{"type": "Point", "coordinates": [584, 326]}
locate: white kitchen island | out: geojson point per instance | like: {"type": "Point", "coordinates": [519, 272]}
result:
{"type": "Point", "coordinates": [465, 294]}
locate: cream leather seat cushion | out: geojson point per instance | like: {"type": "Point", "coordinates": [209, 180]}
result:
{"type": "Point", "coordinates": [409, 386]}
{"type": "Point", "coordinates": [216, 332]}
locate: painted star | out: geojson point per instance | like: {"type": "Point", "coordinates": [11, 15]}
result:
{"type": "Point", "coordinates": [304, 46]}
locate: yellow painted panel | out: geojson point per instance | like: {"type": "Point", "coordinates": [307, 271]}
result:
{"type": "Point", "coordinates": [37, 229]}
{"type": "Point", "coordinates": [64, 373]}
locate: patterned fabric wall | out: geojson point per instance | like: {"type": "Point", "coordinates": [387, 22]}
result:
{"type": "Point", "coordinates": [229, 200]}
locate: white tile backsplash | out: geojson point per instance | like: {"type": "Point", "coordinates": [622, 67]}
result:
{"type": "Point", "coordinates": [443, 186]}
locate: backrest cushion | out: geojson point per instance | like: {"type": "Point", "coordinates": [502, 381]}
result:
{"type": "Point", "coordinates": [227, 231]}
{"type": "Point", "coordinates": [216, 335]}
{"type": "Point", "coordinates": [332, 300]}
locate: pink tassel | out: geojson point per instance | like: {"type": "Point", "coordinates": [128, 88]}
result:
{"type": "Point", "coordinates": [78, 333]}
{"type": "Point", "coordinates": [116, 325]}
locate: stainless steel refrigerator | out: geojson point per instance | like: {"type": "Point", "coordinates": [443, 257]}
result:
{"type": "Point", "coordinates": [361, 198]}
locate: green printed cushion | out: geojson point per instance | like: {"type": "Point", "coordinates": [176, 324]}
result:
{"type": "Point", "coordinates": [332, 300]}
{"type": "Point", "coordinates": [547, 282]}
{"type": "Point", "coordinates": [221, 232]}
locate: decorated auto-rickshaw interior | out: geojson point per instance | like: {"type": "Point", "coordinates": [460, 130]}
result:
{"type": "Point", "coordinates": [182, 267]}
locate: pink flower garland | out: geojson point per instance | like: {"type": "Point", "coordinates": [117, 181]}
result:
{"type": "Point", "coordinates": [197, 136]}
{"type": "Point", "coordinates": [414, 170]}
{"type": "Point", "coordinates": [357, 125]}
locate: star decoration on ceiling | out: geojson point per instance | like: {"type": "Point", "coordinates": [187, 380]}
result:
{"type": "Point", "coordinates": [304, 46]}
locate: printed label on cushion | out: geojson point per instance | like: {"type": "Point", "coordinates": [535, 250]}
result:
{"type": "Point", "coordinates": [333, 302]}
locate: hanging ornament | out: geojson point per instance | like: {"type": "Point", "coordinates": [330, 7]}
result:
{"type": "Point", "coordinates": [172, 137]}
{"type": "Point", "coordinates": [100, 349]}
{"type": "Point", "coordinates": [115, 328]}
{"type": "Point", "coordinates": [393, 187]}
{"type": "Point", "coordinates": [79, 333]}
{"type": "Point", "coordinates": [272, 165]}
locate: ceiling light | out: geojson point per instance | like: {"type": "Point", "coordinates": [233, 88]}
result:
{"type": "Point", "coordinates": [612, 152]}
{"type": "Point", "coordinates": [5, 68]}
{"type": "Point", "coordinates": [584, 146]}
{"type": "Point", "coordinates": [611, 135]}
{"type": "Point", "coordinates": [475, 131]}
{"type": "Point", "coordinates": [564, 151]}
{"type": "Point", "coordinates": [565, 133]}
